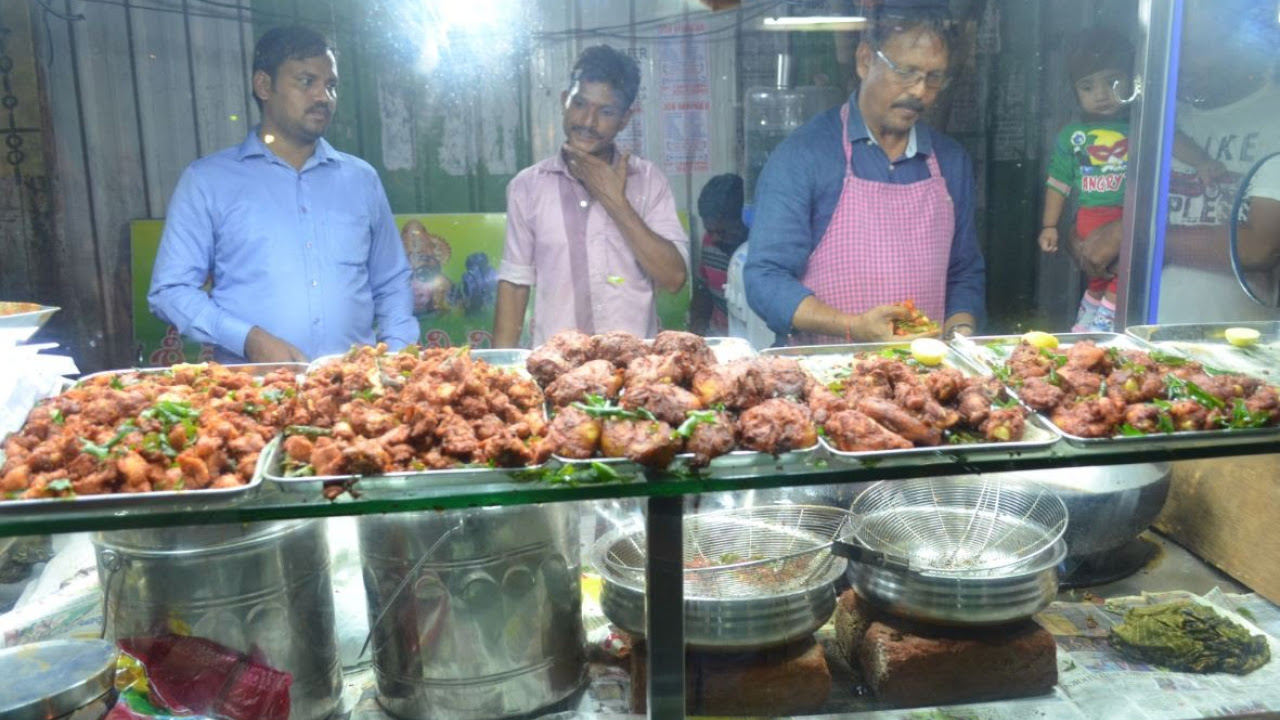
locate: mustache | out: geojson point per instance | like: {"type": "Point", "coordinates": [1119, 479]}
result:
{"type": "Point", "coordinates": [577, 130]}
{"type": "Point", "coordinates": [321, 107]}
{"type": "Point", "coordinates": [912, 104]}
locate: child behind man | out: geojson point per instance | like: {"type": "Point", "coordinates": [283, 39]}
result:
{"type": "Point", "coordinates": [720, 207]}
{"type": "Point", "coordinates": [1091, 157]}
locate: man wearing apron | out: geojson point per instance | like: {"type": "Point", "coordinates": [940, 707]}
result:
{"type": "Point", "coordinates": [864, 207]}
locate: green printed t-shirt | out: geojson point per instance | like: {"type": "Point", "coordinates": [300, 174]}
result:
{"type": "Point", "coordinates": [1091, 158]}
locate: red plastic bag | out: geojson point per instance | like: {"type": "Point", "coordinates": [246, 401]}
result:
{"type": "Point", "coordinates": [194, 675]}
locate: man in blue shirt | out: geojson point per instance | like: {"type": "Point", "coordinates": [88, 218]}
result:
{"type": "Point", "coordinates": [296, 238]}
{"type": "Point", "coordinates": [864, 207]}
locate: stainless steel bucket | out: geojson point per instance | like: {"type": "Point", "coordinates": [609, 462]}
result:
{"type": "Point", "coordinates": [262, 586]}
{"type": "Point", "coordinates": [475, 614]}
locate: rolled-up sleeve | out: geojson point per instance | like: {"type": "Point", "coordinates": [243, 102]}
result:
{"type": "Point", "coordinates": [966, 272]}
{"type": "Point", "coordinates": [781, 237]}
{"type": "Point", "coordinates": [389, 276]}
{"type": "Point", "coordinates": [516, 266]}
{"type": "Point", "coordinates": [183, 263]}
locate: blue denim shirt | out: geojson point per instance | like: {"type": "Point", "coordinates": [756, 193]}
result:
{"type": "Point", "coordinates": [310, 256]}
{"type": "Point", "coordinates": [797, 193]}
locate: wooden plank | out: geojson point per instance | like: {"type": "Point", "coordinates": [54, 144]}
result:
{"type": "Point", "coordinates": [222, 115]}
{"type": "Point", "coordinates": [69, 248]}
{"type": "Point", "coordinates": [1226, 511]}
{"type": "Point", "coordinates": [164, 100]}
{"type": "Point", "coordinates": [115, 170]}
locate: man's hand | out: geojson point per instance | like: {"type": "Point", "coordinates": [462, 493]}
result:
{"type": "Point", "coordinates": [605, 181]}
{"type": "Point", "coordinates": [261, 346]}
{"type": "Point", "coordinates": [876, 324]}
{"type": "Point", "coordinates": [1097, 254]}
{"type": "Point", "coordinates": [1048, 240]}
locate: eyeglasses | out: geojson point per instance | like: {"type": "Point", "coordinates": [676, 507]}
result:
{"type": "Point", "coordinates": [908, 77]}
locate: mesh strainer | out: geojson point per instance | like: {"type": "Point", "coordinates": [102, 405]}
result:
{"type": "Point", "coordinates": [958, 525]}
{"type": "Point", "coordinates": [744, 552]}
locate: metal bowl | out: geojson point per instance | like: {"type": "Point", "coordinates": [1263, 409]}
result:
{"type": "Point", "coordinates": [967, 598]}
{"type": "Point", "coordinates": [720, 624]}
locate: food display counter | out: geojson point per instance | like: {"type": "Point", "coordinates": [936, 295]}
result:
{"type": "Point", "coordinates": [486, 559]}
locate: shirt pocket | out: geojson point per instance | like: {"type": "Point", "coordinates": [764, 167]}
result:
{"type": "Point", "coordinates": [348, 237]}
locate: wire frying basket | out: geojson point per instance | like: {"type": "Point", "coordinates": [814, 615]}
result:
{"type": "Point", "coordinates": [744, 552]}
{"type": "Point", "coordinates": [967, 525]}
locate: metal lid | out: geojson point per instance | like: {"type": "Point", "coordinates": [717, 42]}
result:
{"type": "Point", "coordinates": [55, 677]}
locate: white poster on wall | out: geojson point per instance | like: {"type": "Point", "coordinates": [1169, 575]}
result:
{"type": "Point", "coordinates": [684, 82]}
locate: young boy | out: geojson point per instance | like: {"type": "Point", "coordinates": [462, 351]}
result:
{"type": "Point", "coordinates": [1090, 157]}
{"type": "Point", "coordinates": [720, 207]}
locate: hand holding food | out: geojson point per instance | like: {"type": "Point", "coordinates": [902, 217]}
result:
{"type": "Point", "coordinates": [915, 322]}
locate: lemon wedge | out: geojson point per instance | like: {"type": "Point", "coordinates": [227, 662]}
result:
{"type": "Point", "coordinates": [1041, 339]}
{"type": "Point", "coordinates": [1242, 337]}
{"type": "Point", "coordinates": [928, 351]}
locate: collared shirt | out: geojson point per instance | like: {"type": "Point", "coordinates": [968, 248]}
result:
{"type": "Point", "coordinates": [564, 245]}
{"type": "Point", "coordinates": [312, 256]}
{"type": "Point", "coordinates": [797, 193]}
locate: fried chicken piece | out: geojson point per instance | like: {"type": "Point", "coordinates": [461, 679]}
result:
{"type": "Point", "coordinates": [1091, 417]}
{"type": "Point", "coordinates": [900, 421]}
{"type": "Point", "coordinates": [1143, 416]}
{"type": "Point", "coordinates": [945, 384]}
{"type": "Point", "coordinates": [561, 353]}
{"type": "Point", "coordinates": [1079, 381]}
{"type": "Point", "coordinates": [853, 431]}
{"type": "Point", "coordinates": [1265, 399]}
{"type": "Point", "coordinates": [646, 442]}
{"type": "Point", "coordinates": [1004, 424]}
{"type": "Point", "coordinates": [823, 403]}
{"type": "Point", "coordinates": [618, 347]}
{"type": "Point", "coordinates": [783, 377]}
{"type": "Point", "coordinates": [776, 426]}
{"type": "Point", "coordinates": [1189, 415]}
{"type": "Point", "coordinates": [505, 450]}
{"type": "Point", "coordinates": [668, 403]}
{"type": "Point", "coordinates": [711, 439]}
{"type": "Point", "coordinates": [736, 385]}
{"type": "Point", "coordinates": [973, 406]}
{"type": "Point", "coordinates": [670, 368]}
{"type": "Point", "coordinates": [669, 341]}
{"type": "Point", "coordinates": [1135, 385]}
{"type": "Point", "coordinates": [594, 377]}
{"type": "Point", "coordinates": [1040, 394]}
{"type": "Point", "coordinates": [366, 457]}
{"type": "Point", "coordinates": [1086, 355]}
{"type": "Point", "coordinates": [572, 434]}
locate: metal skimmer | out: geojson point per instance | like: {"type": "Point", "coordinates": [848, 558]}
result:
{"type": "Point", "coordinates": [966, 525]}
{"type": "Point", "coordinates": [745, 552]}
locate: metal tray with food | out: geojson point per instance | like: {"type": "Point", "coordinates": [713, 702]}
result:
{"type": "Point", "coordinates": [162, 428]}
{"type": "Point", "coordinates": [1252, 348]}
{"type": "Point", "coordinates": [831, 365]}
{"type": "Point", "coordinates": [1126, 391]}
{"type": "Point", "coordinates": [448, 458]}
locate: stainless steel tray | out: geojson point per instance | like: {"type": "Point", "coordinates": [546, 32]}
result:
{"type": "Point", "coordinates": [511, 358]}
{"type": "Point", "coordinates": [822, 360]}
{"type": "Point", "coordinates": [391, 484]}
{"type": "Point", "coordinates": [990, 352]}
{"type": "Point", "coordinates": [172, 498]}
{"type": "Point", "coordinates": [1206, 344]}
{"type": "Point", "coordinates": [254, 369]}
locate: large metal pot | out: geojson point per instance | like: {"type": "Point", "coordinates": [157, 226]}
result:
{"type": "Point", "coordinates": [1109, 505]}
{"type": "Point", "coordinates": [257, 587]}
{"type": "Point", "coordinates": [475, 614]}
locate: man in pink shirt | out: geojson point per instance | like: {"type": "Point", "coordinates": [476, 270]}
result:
{"type": "Point", "coordinates": [592, 229]}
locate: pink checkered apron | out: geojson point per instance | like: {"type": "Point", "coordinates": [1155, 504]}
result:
{"type": "Point", "coordinates": [886, 243]}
